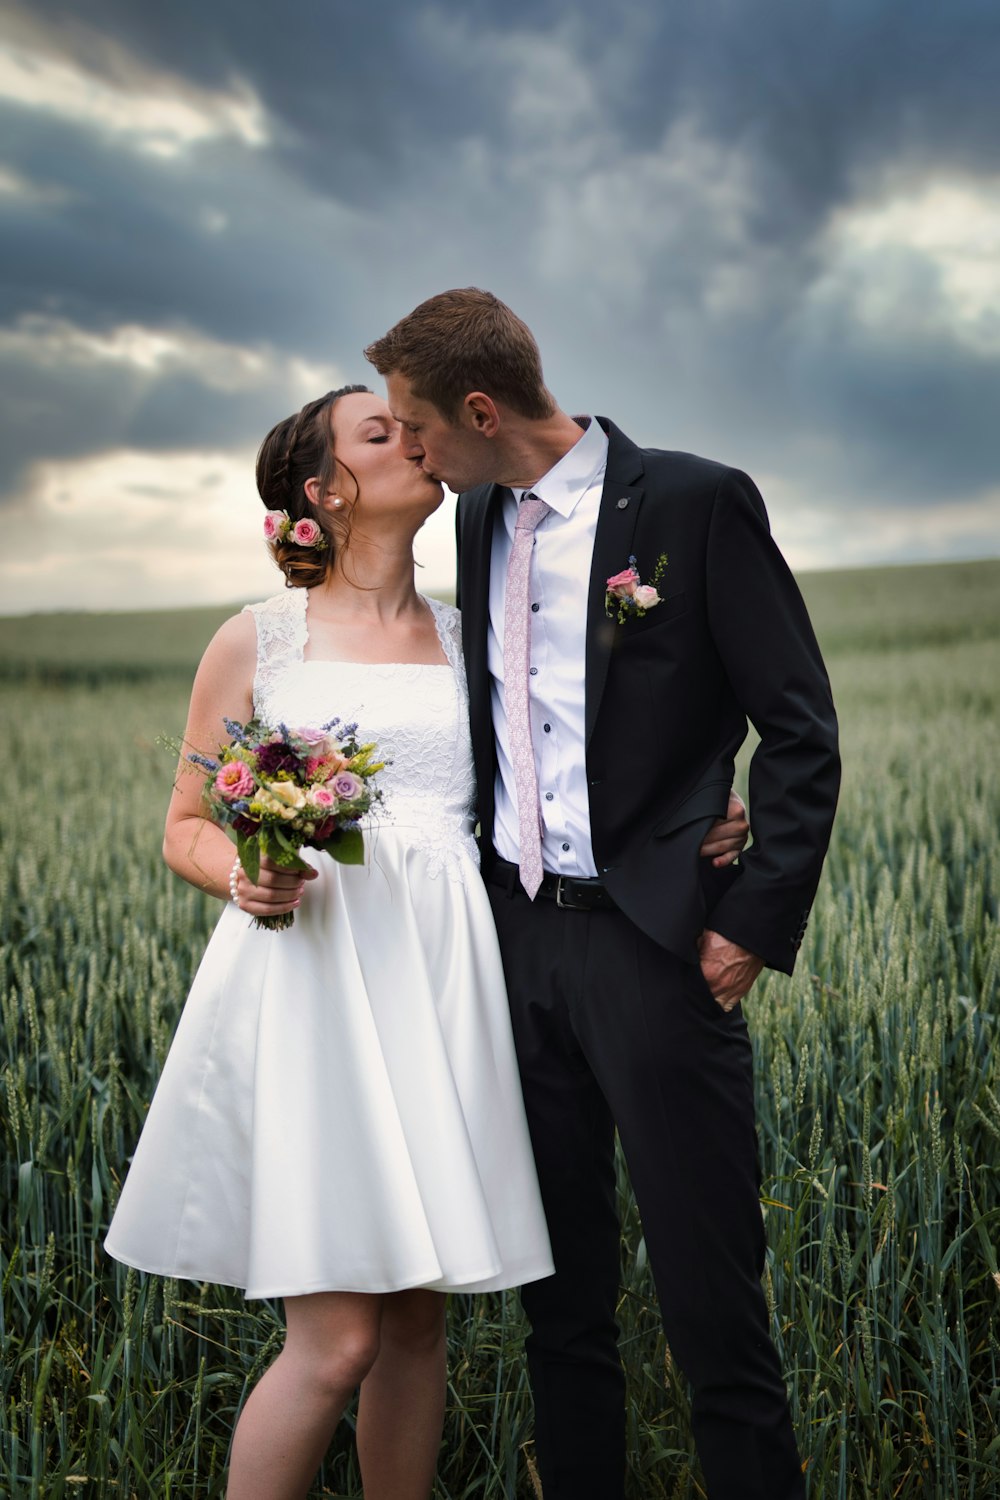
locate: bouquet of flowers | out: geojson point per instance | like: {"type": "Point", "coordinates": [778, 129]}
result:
{"type": "Point", "coordinates": [283, 789]}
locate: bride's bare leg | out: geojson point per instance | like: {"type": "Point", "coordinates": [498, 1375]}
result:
{"type": "Point", "coordinates": [401, 1410]}
{"type": "Point", "coordinates": [288, 1421]}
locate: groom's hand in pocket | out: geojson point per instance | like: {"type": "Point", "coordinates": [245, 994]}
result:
{"type": "Point", "coordinates": [729, 970]}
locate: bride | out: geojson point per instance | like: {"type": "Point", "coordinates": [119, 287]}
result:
{"type": "Point", "coordinates": [339, 1121]}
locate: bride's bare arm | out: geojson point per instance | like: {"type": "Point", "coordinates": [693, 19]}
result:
{"type": "Point", "coordinates": [194, 847]}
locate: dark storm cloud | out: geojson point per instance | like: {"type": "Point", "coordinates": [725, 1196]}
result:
{"type": "Point", "coordinates": [827, 92]}
{"type": "Point", "coordinates": [132, 241]}
{"type": "Point", "coordinates": [820, 92]}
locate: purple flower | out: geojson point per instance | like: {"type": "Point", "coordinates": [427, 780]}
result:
{"type": "Point", "coordinates": [276, 757]}
{"type": "Point", "coordinates": [347, 786]}
{"type": "Point", "coordinates": [204, 760]}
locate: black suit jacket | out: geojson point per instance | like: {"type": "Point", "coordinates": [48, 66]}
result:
{"type": "Point", "coordinates": [668, 698]}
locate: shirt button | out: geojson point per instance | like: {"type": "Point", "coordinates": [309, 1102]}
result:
{"type": "Point", "coordinates": [566, 847]}
{"type": "Point", "coordinates": [547, 728]}
{"type": "Point", "coordinates": [535, 608]}
{"type": "Point", "coordinates": [533, 671]}
{"type": "Point", "coordinates": [549, 796]}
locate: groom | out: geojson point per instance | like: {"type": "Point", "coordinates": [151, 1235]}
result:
{"type": "Point", "coordinates": [604, 735]}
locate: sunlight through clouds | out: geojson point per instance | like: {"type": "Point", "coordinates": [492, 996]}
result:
{"type": "Point", "coordinates": [159, 353]}
{"type": "Point", "coordinates": [147, 523]}
{"type": "Point", "coordinates": [927, 259]}
{"type": "Point", "coordinates": [157, 528]}
{"type": "Point", "coordinates": [151, 114]}
{"type": "Point", "coordinates": [155, 352]}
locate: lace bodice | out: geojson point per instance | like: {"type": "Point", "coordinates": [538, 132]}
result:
{"type": "Point", "coordinates": [418, 714]}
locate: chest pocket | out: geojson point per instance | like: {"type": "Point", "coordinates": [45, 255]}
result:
{"type": "Point", "coordinates": [670, 608]}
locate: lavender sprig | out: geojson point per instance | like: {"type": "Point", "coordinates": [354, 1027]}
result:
{"type": "Point", "coordinates": [203, 760]}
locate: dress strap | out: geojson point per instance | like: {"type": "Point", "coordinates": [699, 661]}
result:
{"type": "Point", "coordinates": [448, 621]}
{"type": "Point", "coordinates": [282, 633]}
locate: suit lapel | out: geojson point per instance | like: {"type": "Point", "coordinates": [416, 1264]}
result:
{"type": "Point", "coordinates": [479, 507]}
{"type": "Point", "coordinates": [616, 523]}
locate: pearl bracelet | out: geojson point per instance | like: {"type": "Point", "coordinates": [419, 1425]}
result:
{"type": "Point", "coordinates": [234, 876]}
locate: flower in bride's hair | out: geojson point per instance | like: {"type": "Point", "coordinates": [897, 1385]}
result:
{"type": "Point", "coordinates": [307, 533]}
{"type": "Point", "coordinates": [234, 781]}
{"type": "Point", "coordinates": [276, 524]}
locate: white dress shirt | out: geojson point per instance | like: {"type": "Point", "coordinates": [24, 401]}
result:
{"type": "Point", "coordinates": [559, 580]}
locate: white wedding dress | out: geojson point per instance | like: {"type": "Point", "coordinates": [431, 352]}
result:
{"type": "Point", "coordinates": [340, 1108]}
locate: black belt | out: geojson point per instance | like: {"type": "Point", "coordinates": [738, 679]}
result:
{"type": "Point", "coordinates": [573, 892]}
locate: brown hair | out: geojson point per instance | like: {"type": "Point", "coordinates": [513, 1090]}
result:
{"type": "Point", "coordinates": [461, 341]}
{"type": "Point", "coordinates": [300, 448]}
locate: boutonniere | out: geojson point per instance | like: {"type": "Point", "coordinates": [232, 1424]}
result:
{"type": "Point", "coordinates": [627, 595]}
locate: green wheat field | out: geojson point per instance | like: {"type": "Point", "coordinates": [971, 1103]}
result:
{"type": "Point", "coordinates": [878, 1071]}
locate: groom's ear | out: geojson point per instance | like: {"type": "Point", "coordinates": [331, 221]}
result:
{"type": "Point", "coordinates": [479, 412]}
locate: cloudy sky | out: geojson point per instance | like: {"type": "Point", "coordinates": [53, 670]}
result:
{"type": "Point", "coordinates": [766, 231]}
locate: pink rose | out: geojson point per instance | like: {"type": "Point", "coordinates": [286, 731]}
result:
{"type": "Point", "coordinates": [348, 786]}
{"type": "Point", "coordinates": [311, 736]}
{"type": "Point", "coordinates": [234, 781]}
{"type": "Point", "coordinates": [624, 584]}
{"type": "Point", "coordinates": [646, 596]}
{"type": "Point", "coordinates": [306, 532]}
{"type": "Point", "coordinates": [321, 796]}
{"type": "Point", "coordinates": [273, 522]}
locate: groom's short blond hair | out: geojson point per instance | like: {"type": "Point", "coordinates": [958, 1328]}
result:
{"type": "Point", "coordinates": [461, 341]}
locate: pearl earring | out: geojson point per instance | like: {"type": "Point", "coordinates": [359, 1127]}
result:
{"type": "Point", "coordinates": [337, 502]}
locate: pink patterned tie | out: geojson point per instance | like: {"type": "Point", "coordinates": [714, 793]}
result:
{"type": "Point", "coordinates": [515, 690]}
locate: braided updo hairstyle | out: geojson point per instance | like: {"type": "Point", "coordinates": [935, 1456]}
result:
{"type": "Point", "coordinates": [297, 449]}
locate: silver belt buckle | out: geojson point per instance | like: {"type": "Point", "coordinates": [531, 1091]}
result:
{"type": "Point", "coordinates": [566, 906]}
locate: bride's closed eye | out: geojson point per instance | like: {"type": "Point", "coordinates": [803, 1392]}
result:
{"type": "Point", "coordinates": [383, 439]}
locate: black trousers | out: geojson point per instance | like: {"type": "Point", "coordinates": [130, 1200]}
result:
{"type": "Point", "coordinates": [612, 1030]}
